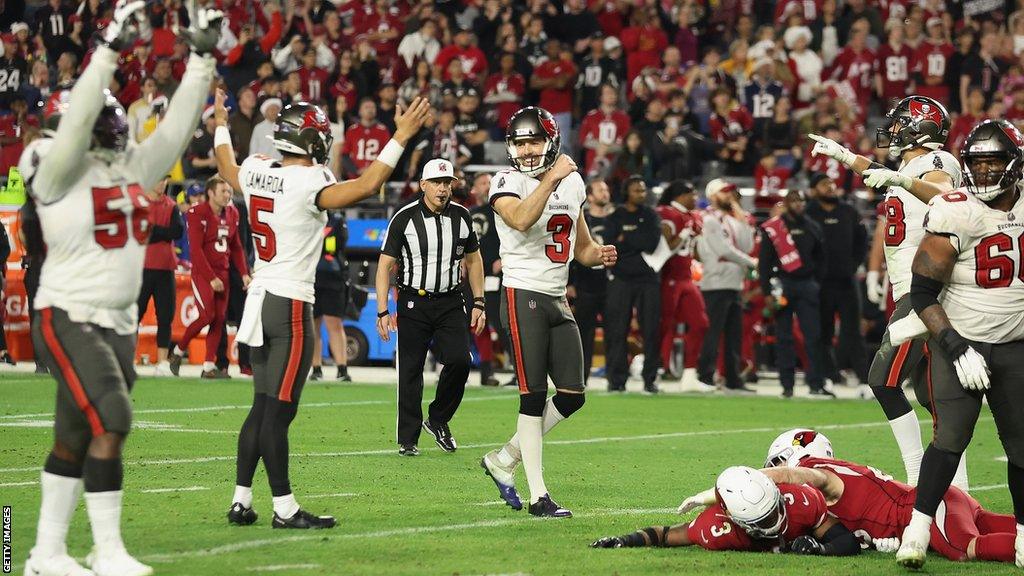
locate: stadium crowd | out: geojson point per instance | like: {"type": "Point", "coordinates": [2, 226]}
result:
{"type": "Point", "coordinates": [647, 95]}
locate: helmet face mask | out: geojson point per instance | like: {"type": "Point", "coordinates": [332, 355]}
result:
{"type": "Point", "coordinates": [916, 121]}
{"type": "Point", "coordinates": [532, 140]}
{"type": "Point", "coordinates": [993, 160]}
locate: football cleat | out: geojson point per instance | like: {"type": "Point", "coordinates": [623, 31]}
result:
{"type": "Point", "coordinates": [174, 363]}
{"type": "Point", "coordinates": [343, 375]}
{"type": "Point", "coordinates": [162, 369]}
{"type": "Point", "coordinates": [741, 390]}
{"type": "Point", "coordinates": [215, 374]}
{"type": "Point", "coordinates": [608, 542]}
{"type": "Point", "coordinates": [821, 394]}
{"type": "Point", "coordinates": [57, 565]}
{"type": "Point", "coordinates": [303, 520]}
{"type": "Point", "coordinates": [504, 478]}
{"type": "Point", "coordinates": [442, 435]}
{"type": "Point", "coordinates": [316, 374]}
{"type": "Point", "coordinates": [245, 370]}
{"type": "Point", "coordinates": [704, 387]}
{"type": "Point", "coordinates": [6, 358]}
{"type": "Point", "coordinates": [241, 516]}
{"type": "Point", "coordinates": [914, 548]}
{"type": "Point", "coordinates": [650, 388]}
{"type": "Point", "coordinates": [116, 563]}
{"type": "Point", "coordinates": [547, 508]}
{"type": "Point", "coordinates": [408, 450]}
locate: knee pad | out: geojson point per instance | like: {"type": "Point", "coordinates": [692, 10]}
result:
{"type": "Point", "coordinates": [115, 410]}
{"type": "Point", "coordinates": [532, 403]}
{"type": "Point", "coordinates": [567, 404]}
{"type": "Point", "coordinates": [61, 467]}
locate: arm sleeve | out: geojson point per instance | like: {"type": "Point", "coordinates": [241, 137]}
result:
{"type": "Point", "coordinates": [715, 240]}
{"type": "Point", "coordinates": [325, 58]}
{"type": "Point", "coordinates": [155, 157]}
{"type": "Point", "coordinates": [200, 267]}
{"type": "Point", "coordinates": [839, 541]}
{"type": "Point", "coordinates": [168, 233]}
{"type": "Point", "coordinates": [765, 263]}
{"type": "Point", "coordinates": [280, 57]}
{"type": "Point", "coordinates": [273, 35]}
{"type": "Point", "coordinates": [62, 164]}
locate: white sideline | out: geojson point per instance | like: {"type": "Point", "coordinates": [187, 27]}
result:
{"type": "Point", "coordinates": [279, 567]}
{"type": "Point", "coordinates": [336, 495]}
{"type": "Point", "coordinates": [182, 489]}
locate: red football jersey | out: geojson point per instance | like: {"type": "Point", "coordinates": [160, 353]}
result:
{"type": "Point", "coordinates": [314, 83]}
{"type": "Point", "coordinates": [856, 67]}
{"type": "Point", "coordinates": [213, 241]}
{"type": "Point", "coordinates": [805, 511]}
{"type": "Point", "coordinates": [609, 129]}
{"type": "Point", "coordinates": [473, 60]}
{"type": "Point", "coordinates": [498, 83]}
{"type": "Point", "coordinates": [893, 65]}
{"type": "Point", "coordinates": [929, 63]}
{"type": "Point", "coordinates": [345, 88]}
{"type": "Point", "coordinates": [678, 219]}
{"type": "Point", "coordinates": [738, 122]}
{"type": "Point", "coordinates": [959, 131]}
{"type": "Point", "coordinates": [830, 166]}
{"type": "Point", "coordinates": [362, 144]}
{"type": "Point", "coordinates": [872, 501]}
{"type": "Point", "coordinates": [557, 100]}
{"type": "Point", "coordinates": [771, 180]}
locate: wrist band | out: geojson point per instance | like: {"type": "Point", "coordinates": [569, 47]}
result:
{"type": "Point", "coordinates": [221, 136]}
{"type": "Point", "coordinates": [391, 153]}
{"type": "Point", "coordinates": [479, 307]}
{"type": "Point", "coordinates": [479, 299]}
{"type": "Point", "coordinates": [383, 314]}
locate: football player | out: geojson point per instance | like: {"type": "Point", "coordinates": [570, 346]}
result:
{"type": "Point", "coordinates": [287, 200]}
{"type": "Point", "coordinates": [750, 512]}
{"type": "Point", "coordinates": [971, 254]}
{"type": "Point", "coordinates": [916, 131]}
{"type": "Point", "coordinates": [88, 190]}
{"type": "Point", "coordinates": [541, 228]}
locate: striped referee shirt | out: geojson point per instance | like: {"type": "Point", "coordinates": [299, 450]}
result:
{"type": "Point", "coordinates": [430, 247]}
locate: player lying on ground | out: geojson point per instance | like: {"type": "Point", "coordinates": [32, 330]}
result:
{"type": "Point", "coordinates": [749, 512]}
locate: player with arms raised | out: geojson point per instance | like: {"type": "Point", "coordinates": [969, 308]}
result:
{"type": "Point", "coordinates": [541, 227]}
{"type": "Point", "coordinates": [88, 191]}
{"type": "Point", "coordinates": [749, 512]}
{"type": "Point", "coordinates": [286, 201]}
{"type": "Point", "coordinates": [971, 254]}
{"type": "Point", "coordinates": [917, 130]}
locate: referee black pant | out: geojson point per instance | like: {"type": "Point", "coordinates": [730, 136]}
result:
{"type": "Point", "coordinates": [423, 322]}
{"type": "Point", "coordinates": [159, 284]}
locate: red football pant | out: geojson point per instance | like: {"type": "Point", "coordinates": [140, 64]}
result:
{"type": "Point", "coordinates": [961, 519]}
{"type": "Point", "coordinates": [213, 308]}
{"type": "Point", "coordinates": [682, 303]}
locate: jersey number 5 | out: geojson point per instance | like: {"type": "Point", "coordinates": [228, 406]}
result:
{"type": "Point", "coordinates": [111, 220]}
{"type": "Point", "coordinates": [266, 242]}
{"type": "Point", "coordinates": [560, 225]}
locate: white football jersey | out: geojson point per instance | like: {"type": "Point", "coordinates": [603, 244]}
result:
{"type": "Point", "coordinates": [539, 258]}
{"type": "Point", "coordinates": [287, 227]}
{"type": "Point", "coordinates": [91, 205]}
{"type": "Point", "coordinates": [984, 298]}
{"type": "Point", "coordinates": [904, 218]}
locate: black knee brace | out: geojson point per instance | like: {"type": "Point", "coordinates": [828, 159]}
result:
{"type": "Point", "coordinates": [103, 475]}
{"type": "Point", "coordinates": [532, 403]}
{"type": "Point", "coordinates": [567, 404]}
{"type": "Point", "coordinates": [59, 467]}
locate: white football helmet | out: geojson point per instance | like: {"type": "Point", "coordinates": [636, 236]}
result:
{"type": "Point", "coordinates": [752, 501]}
{"type": "Point", "coordinates": [798, 442]}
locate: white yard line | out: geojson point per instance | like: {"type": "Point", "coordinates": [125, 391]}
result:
{"type": "Point", "coordinates": [182, 489]}
{"type": "Point", "coordinates": [336, 495]}
{"type": "Point", "coordinates": [985, 488]}
{"type": "Point", "coordinates": [491, 503]}
{"type": "Point", "coordinates": [14, 484]}
{"type": "Point", "coordinates": [280, 567]}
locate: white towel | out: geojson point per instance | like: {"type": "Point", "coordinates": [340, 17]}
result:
{"type": "Point", "coordinates": [906, 328]}
{"type": "Point", "coordinates": [250, 329]}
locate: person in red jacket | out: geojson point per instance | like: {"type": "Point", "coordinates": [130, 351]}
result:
{"type": "Point", "coordinates": [166, 226]}
{"type": "Point", "coordinates": [214, 245]}
{"type": "Point", "coordinates": [474, 61]}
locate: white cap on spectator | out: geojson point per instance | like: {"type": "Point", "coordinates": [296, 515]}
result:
{"type": "Point", "coordinates": [611, 43]}
{"type": "Point", "coordinates": [270, 102]}
{"type": "Point", "coordinates": [438, 168]}
{"type": "Point", "coordinates": [19, 26]}
{"type": "Point", "coordinates": [718, 185]}
{"type": "Point", "coordinates": [934, 21]}
{"type": "Point", "coordinates": [792, 34]}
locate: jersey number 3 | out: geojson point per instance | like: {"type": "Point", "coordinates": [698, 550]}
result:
{"type": "Point", "coordinates": [560, 225]}
{"type": "Point", "coordinates": [108, 205]}
{"type": "Point", "coordinates": [266, 242]}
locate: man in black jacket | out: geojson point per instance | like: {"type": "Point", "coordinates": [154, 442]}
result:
{"type": "Point", "coordinates": [845, 250]}
{"type": "Point", "coordinates": [5, 251]}
{"type": "Point", "coordinates": [791, 266]}
{"type": "Point", "coordinates": [588, 287]}
{"type": "Point", "coordinates": [634, 229]}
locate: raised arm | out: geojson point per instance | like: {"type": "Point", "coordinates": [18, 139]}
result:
{"type": "Point", "coordinates": [223, 151]}
{"type": "Point", "coordinates": [928, 186]}
{"type": "Point", "coordinates": [521, 214]}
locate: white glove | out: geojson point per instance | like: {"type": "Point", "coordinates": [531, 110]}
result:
{"type": "Point", "coordinates": [906, 328]}
{"type": "Point", "coordinates": [873, 284]}
{"type": "Point", "coordinates": [120, 33]}
{"type": "Point", "coordinates": [203, 31]}
{"type": "Point", "coordinates": [972, 370]}
{"type": "Point", "coordinates": [884, 177]}
{"type": "Point", "coordinates": [832, 149]}
{"type": "Point", "coordinates": [699, 500]}
{"type": "Point", "coordinates": [887, 545]}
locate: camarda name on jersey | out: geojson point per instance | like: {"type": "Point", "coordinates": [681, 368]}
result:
{"type": "Point", "coordinates": [269, 183]}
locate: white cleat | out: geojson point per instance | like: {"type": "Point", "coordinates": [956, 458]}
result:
{"type": "Point", "coordinates": [58, 565]}
{"type": "Point", "coordinates": [504, 474]}
{"type": "Point", "coordinates": [117, 563]}
{"type": "Point", "coordinates": [914, 548]}
{"type": "Point", "coordinates": [703, 388]}
{"type": "Point", "coordinates": [162, 370]}
{"type": "Point", "coordinates": [1018, 547]}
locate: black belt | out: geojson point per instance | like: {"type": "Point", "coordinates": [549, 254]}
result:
{"type": "Point", "coordinates": [429, 295]}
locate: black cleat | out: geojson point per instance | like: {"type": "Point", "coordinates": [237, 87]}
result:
{"type": "Point", "coordinates": [241, 516]}
{"type": "Point", "coordinates": [821, 393]}
{"type": "Point", "coordinates": [609, 542]}
{"type": "Point", "coordinates": [442, 435]}
{"type": "Point", "coordinates": [408, 450]}
{"type": "Point", "coordinates": [343, 374]}
{"type": "Point", "coordinates": [174, 361]}
{"type": "Point", "coordinates": [6, 358]}
{"type": "Point", "coordinates": [546, 508]}
{"type": "Point", "coordinates": [650, 388]}
{"type": "Point", "coordinates": [316, 374]}
{"type": "Point", "coordinates": [303, 520]}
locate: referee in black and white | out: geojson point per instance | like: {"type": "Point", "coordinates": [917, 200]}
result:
{"type": "Point", "coordinates": [428, 240]}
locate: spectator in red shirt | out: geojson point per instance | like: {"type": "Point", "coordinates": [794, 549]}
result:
{"type": "Point", "coordinates": [504, 91]}
{"type": "Point", "coordinates": [644, 42]}
{"type": "Point", "coordinates": [769, 176]}
{"type": "Point", "coordinates": [1015, 113]}
{"type": "Point", "coordinates": [474, 61]}
{"type": "Point", "coordinates": [555, 79]}
{"type": "Point", "coordinates": [855, 64]}
{"type": "Point", "coordinates": [363, 141]}
{"type": "Point", "coordinates": [12, 127]}
{"type": "Point", "coordinates": [730, 125]}
{"type": "Point", "coordinates": [602, 131]}
{"type": "Point", "coordinates": [314, 79]}
{"type": "Point", "coordinates": [381, 28]}
{"type": "Point", "coordinates": [892, 66]}
{"type": "Point", "coordinates": [931, 63]}
{"type": "Point", "coordinates": [166, 226]}
{"type": "Point", "coordinates": [973, 114]}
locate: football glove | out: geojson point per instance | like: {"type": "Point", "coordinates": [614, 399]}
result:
{"type": "Point", "coordinates": [807, 545]}
{"type": "Point", "coordinates": [699, 500]}
{"type": "Point", "coordinates": [887, 545]}
{"type": "Point", "coordinates": [971, 368]}
{"type": "Point", "coordinates": [827, 147]}
{"type": "Point", "coordinates": [121, 31]}
{"type": "Point", "coordinates": [884, 177]}
{"type": "Point", "coordinates": [873, 282]}
{"type": "Point", "coordinates": [203, 31]}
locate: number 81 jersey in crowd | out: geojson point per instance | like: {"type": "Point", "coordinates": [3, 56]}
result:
{"type": "Point", "coordinates": [904, 217]}
{"type": "Point", "coordinates": [538, 259]}
{"type": "Point", "coordinates": [984, 297]}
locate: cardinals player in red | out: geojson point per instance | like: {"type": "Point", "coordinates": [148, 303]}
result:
{"type": "Point", "coordinates": [749, 512]}
{"type": "Point", "coordinates": [681, 300]}
{"type": "Point", "coordinates": [214, 245]}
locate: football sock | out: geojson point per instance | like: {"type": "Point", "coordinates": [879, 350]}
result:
{"type": "Point", "coordinates": [938, 466]}
{"type": "Point", "coordinates": [209, 366]}
{"type": "Point", "coordinates": [960, 478]}
{"type": "Point", "coordinates": [653, 536]}
{"type": "Point", "coordinates": [1015, 480]}
{"type": "Point", "coordinates": [285, 506]}
{"type": "Point", "coordinates": [249, 442]}
{"type": "Point", "coordinates": [243, 495]}
{"type": "Point", "coordinates": [995, 547]}
{"type": "Point", "coordinates": [530, 430]}
{"type": "Point", "coordinates": [907, 431]}
{"type": "Point", "coordinates": [510, 454]}
{"type": "Point", "coordinates": [59, 500]}
{"type": "Point", "coordinates": [105, 518]}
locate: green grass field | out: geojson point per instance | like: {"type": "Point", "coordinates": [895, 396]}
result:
{"type": "Point", "coordinates": [621, 463]}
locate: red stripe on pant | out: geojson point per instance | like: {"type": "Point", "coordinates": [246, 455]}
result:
{"type": "Point", "coordinates": [513, 321]}
{"type": "Point", "coordinates": [68, 372]}
{"type": "Point", "coordinates": [897, 365]}
{"type": "Point", "coordinates": [294, 355]}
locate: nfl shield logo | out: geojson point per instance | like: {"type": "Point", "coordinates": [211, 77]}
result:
{"type": "Point", "coordinates": [533, 304]}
